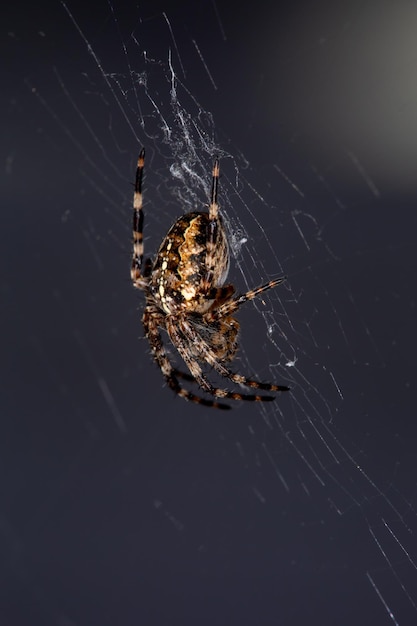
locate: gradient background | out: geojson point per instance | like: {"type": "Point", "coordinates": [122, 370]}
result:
{"type": "Point", "coordinates": [120, 504]}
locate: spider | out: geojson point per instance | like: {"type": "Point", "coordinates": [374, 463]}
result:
{"type": "Point", "coordinates": [186, 296]}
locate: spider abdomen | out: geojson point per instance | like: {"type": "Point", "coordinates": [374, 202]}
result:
{"type": "Point", "coordinates": [184, 274]}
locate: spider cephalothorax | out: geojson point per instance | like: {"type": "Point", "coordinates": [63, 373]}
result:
{"type": "Point", "coordinates": [186, 296]}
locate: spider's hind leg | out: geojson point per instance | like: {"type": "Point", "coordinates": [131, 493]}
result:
{"type": "Point", "coordinates": [171, 375]}
{"type": "Point", "coordinates": [214, 230]}
{"type": "Point", "coordinates": [205, 352]}
{"type": "Point", "coordinates": [180, 337]}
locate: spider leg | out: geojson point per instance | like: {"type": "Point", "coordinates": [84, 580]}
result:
{"type": "Point", "coordinates": [183, 375]}
{"type": "Point", "coordinates": [151, 324]}
{"type": "Point", "coordinates": [210, 357]}
{"type": "Point", "coordinates": [176, 332]}
{"type": "Point", "coordinates": [138, 280]}
{"type": "Point", "coordinates": [213, 228]}
{"type": "Point", "coordinates": [214, 207]}
{"type": "Point", "coordinates": [231, 306]}
{"type": "Point", "coordinates": [147, 270]}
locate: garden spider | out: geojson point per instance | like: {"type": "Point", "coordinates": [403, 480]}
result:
{"type": "Point", "coordinates": [186, 296]}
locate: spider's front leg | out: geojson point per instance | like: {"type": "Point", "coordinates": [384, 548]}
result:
{"type": "Point", "coordinates": [217, 249]}
{"type": "Point", "coordinates": [138, 278]}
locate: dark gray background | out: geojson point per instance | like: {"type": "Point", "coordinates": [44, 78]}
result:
{"type": "Point", "coordinates": [121, 504]}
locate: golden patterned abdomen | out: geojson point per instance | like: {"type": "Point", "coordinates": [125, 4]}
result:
{"type": "Point", "coordinates": [180, 271]}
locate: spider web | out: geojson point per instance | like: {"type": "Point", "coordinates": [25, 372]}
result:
{"type": "Point", "coordinates": [313, 468]}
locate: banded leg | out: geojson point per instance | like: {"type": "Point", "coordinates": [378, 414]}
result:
{"type": "Point", "coordinates": [213, 227]}
{"type": "Point", "coordinates": [183, 375]}
{"type": "Point", "coordinates": [208, 355]}
{"type": "Point", "coordinates": [178, 339]}
{"type": "Point", "coordinates": [151, 323]}
{"type": "Point", "coordinates": [214, 207]}
{"type": "Point", "coordinates": [137, 258]}
{"type": "Point", "coordinates": [229, 307]}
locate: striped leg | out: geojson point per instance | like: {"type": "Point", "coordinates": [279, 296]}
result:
{"type": "Point", "coordinates": [214, 207]}
{"type": "Point", "coordinates": [230, 306]}
{"type": "Point", "coordinates": [151, 325]}
{"type": "Point", "coordinates": [181, 341]}
{"type": "Point", "coordinates": [207, 354]}
{"type": "Point", "coordinates": [138, 279]}
{"type": "Point", "coordinates": [213, 226]}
